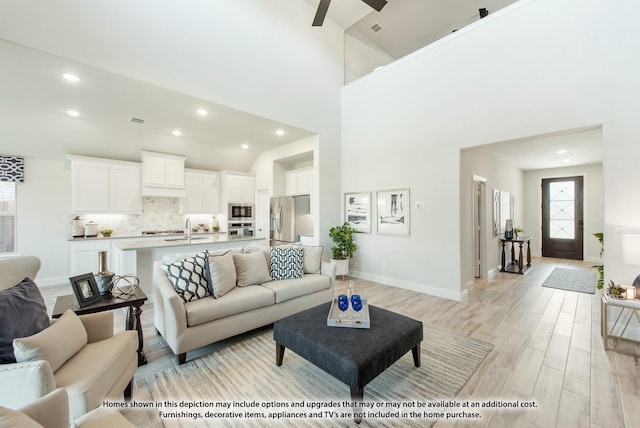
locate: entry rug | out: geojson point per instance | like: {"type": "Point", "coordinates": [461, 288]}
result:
{"type": "Point", "coordinates": [245, 375]}
{"type": "Point", "coordinates": [581, 280]}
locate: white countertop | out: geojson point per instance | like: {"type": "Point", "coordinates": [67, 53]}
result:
{"type": "Point", "coordinates": [139, 236]}
{"type": "Point", "coordinates": [177, 241]}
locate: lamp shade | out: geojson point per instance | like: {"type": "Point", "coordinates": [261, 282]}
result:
{"type": "Point", "coordinates": [631, 249]}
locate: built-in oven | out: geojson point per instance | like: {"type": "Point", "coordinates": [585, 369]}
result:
{"type": "Point", "coordinates": [240, 229]}
{"type": "Point", "coordinates": [240, 211]}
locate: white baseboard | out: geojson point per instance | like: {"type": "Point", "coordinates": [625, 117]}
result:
{"type": "Point", "coordinates": [413, 286]}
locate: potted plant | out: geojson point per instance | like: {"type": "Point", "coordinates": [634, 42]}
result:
{"type": "Point", "coordinates": [600, 268]}
{"type": "Point", "coordinates": [342, 236]}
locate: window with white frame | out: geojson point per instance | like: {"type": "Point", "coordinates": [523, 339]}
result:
{"type": "Point", "coordinates": [7, 217]}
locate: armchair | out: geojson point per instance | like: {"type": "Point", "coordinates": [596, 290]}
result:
{"type": "Point", "coordinates": [86, 357]}
{"type": "Point", "coordinates": [52, 411]}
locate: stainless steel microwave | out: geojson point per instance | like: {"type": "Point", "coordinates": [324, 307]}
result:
{"type": "Point", "coordinates": [240, 211]}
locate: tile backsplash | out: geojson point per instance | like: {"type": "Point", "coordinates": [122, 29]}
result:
{"type": "Point", "coordinates": [157, 214]}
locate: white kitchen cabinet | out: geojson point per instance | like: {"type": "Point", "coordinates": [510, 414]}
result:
{"type": "Point", "coordinates": [84, 255]}
{"type": "Point", "coordinates": [162, 172]}
{"type": "Point", "coordinates": [299, 181]}
{"type": "Point", "coordinates": [239, 188]}
{"type": "Point", "coordinates": [105, 186]}
{"type": "Point", "coordinates": [202, 193]}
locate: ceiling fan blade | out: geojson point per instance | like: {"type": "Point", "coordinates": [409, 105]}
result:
{"type": "Point", "coordinates": [321, 13]}
{"type": "Point", "coordinates": [376, 4]}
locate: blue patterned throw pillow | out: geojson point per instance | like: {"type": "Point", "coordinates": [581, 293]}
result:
{"type": "Point", "coordinates": [190, 277]}
{"type": "Point", "coordinates": [286, 262]}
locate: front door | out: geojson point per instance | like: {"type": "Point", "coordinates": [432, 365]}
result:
{"type": "Point", "coordinates": [562, 222]}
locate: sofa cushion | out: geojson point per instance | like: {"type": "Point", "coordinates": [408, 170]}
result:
{"type": "Point", "coordinates": [222, 274]}
{"type": "Point", "coordinates": [170, 258]}
{"type": "Point", "coordinates": [22, 313]}
{"type": "Point", "coordinates": [91, 373]}
{"type": "Point", "coordinates": [190, 276]}
{"type": "Point", "coordinates": [238, 300]}
{"type": "Point", "coordinates": [56, 344]}
{"type": "Point", "coordinates": [312, 259]}
{"type": "Point", "coordinates": [251, 269]}
{"type": "Point", "coordinates": [288, 289]}
{"type": "Point", "coordinates": [264, 250]}
{"type": "Point", "coordinates": [286, 262]}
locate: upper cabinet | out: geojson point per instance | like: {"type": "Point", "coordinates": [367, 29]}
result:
{"type": "Point", "coordinates": [163, 174]}
{"type": "Point", "coordinates": [105, 186]}
{"type": "Point", "coordinates": [202, 192]}
{"type": "Point", "coordinates": [298, 181]}
{"type": "Point", "coordinates": [238, 187]}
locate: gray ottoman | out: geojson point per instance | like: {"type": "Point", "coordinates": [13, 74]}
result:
{"type": "Point", "coordinates": [354, 356]}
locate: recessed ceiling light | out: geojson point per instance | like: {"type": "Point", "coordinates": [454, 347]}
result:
{"type": "Point", "coordinates": [202, 112]}
{"type": "Point", "coordinates": [70, 77]}
{"type": "Point", "coordinates": [561, 152]}
{"type": "Point", "coordinates": [280, 132]}
{"type": "Point", "coordinates": [73, 113]}
{"type": "Point", "coordinates": [177, 133]}
{"type": "Point", "coordinates": [245, 146]}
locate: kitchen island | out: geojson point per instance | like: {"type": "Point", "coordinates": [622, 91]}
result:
{"type": "Point", "coordinates": [137, 256]}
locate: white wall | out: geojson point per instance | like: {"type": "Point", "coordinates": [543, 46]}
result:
{"type": "Point", "coordinates": [502, 176]}
{"type": "Point", "coordinates": [533, 68]}
{"type": "Point", "coordinates": [593, 209]}
{"type": "Point", "coordinates": [361, 56]}
{"type": "Point", "coordinates": [43, 217]}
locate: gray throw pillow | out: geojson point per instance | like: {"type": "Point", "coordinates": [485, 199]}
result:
{"type": "Point", "coordinates": [286, 262]}
{"type": "Point", "coordinates": [22, 313]}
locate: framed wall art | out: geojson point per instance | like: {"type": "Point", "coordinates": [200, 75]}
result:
{"type": "Point", "coordinates": [357, 211]}
{"type": "Point", "coordinates": [393, 212]}
{"type": "Point", "coordinates": [85, 289]}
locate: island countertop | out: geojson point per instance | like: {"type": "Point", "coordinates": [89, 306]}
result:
{"type": "Point", "coordinates": [173, 241]}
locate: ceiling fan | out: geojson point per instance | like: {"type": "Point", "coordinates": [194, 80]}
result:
{"type": "Point", "coordinates": [324, 6]}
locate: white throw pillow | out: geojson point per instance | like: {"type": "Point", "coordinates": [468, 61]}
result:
{"type": "Point", "coordinates": [286, 262]}
{"type": "Point", "coordinates": [56, 343]}
{"type": "Point", "coordinates": [251, 269]}
{"type": "Point", "coordinates": [312, 259]}
{"type": "Point", "coordinates": [190, 277]}
{"type": "Point", "coordinates": [222, 272]}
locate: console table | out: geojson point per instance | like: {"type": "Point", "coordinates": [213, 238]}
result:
{"type": "Point", "coordinates": [516, 265]}
{"type": "Point", "coordinates": [133, 303]}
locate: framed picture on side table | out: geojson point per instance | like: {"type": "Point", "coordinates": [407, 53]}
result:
{"type": "Point", "coordinates": [85, 289]}
{"type": "Point", "coordinates": [393, 211]}
{"type": "Point", "coordinates": [357, 211]}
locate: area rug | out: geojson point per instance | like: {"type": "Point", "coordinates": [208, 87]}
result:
{"type": "Point", "coordinates": [245, 377]}
{"type": "Point", "coordinates": [583, 281]}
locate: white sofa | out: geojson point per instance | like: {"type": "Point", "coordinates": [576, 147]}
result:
{"type": "Point", "coordinates": [190, 325]}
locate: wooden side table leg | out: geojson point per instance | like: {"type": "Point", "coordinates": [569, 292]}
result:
{"type": "Point", "coordinates": [520, 264]}
{"type": "Point", "coordinates": [133, 323]}
{"type": "Point", "coordinates": [504, 265]}
{"type": "Point", "coordinates": [529, 253]}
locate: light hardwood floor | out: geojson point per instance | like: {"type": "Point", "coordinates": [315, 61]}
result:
{"type": "Point", "coordinates": [547, 349]}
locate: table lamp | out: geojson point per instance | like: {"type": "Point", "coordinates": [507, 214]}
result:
{"type": "Point", "coordinates": [631, 255]}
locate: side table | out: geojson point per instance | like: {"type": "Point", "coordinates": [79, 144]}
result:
{"type": "Point", "coordinates": [516, 265]}
{"type": "Point", "coordinates": [110, 302]}
{"type": "Point", "coordinates": [632, 307]}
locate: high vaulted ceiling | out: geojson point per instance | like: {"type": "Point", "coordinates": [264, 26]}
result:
{"type": "Point", "coordinates": [34, 98]}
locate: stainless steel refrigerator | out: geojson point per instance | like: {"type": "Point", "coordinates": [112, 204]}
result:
{"type": "Point", "coordinates": [290, 217]}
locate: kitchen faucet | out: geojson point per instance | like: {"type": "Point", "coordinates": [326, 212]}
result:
{"type": "Point", "coordinates": [188, 226]}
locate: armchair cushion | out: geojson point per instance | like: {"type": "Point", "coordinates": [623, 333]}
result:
{"type": "Point", "coordinates": [22, 313]}
{"type": "Point", "coordinates": [56, 344]}
{"type": "Point", "coordinates": [13, 418]}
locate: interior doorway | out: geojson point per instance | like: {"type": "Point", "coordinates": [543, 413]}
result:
{"type": "Point", "coordinates": [479, 220]}
{"type": "Point", "coordinates": [562, 217]}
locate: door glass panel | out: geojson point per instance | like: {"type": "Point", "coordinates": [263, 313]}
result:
{"type": "Point", "coordinates": [562, 210]}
